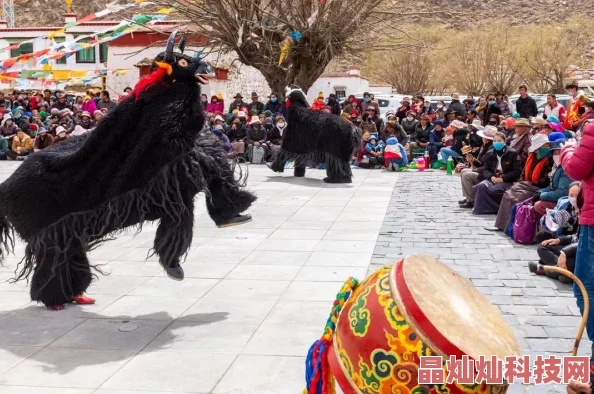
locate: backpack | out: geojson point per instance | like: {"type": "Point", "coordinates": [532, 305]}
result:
{"type": "Point", "coordinates": [525, 223]}
{"type": "Point", "coordinates": [258, 155]}
{"type": "Point", "coordinates": [509, 230]}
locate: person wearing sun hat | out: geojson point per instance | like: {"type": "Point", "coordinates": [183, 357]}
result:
{"type": "Point", "coordinates": [472, 176]}
{"type": "Point", "coordinates": [256, 136]}
{"type": "Point", "coordinates": [520, 140]}
{"type": "Point", "coordinates": [536, 175]}
{"type": "Point", "coordinates": [237, 103]}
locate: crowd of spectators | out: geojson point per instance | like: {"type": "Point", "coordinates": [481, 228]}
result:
{"type": "Point", "coordinates": [33, 121]}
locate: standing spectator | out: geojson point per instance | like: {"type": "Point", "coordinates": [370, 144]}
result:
{"type": "Point", "coordinates": [334, 105]}
{"type": "Point", "coordinates": [367, 102]}
{"type": "Point", "coordinates": [587, 115]}
{"type": "Point", "coordinates": [579, 166]}
{"type": "Point", "coordinates": [553, 108]}
{"type": "Point", "coordinates": [22, 145]}
{"type": "Point", "coordinates": [61, 102]}
{"type": "Point", "coordinates": [441, 105]}
{"type": "Point", "coordinates": [469, 103]}
{"type": "Point", "coordinates": [4, 147]}
{"type": "Point", "coordinates": [501, 169]}
{"type": "Point", "coordinates": [572, 105]}
{"type": "Point", "coordinates": [318, 104]}
{"type": "Point", "coordinates": [526, 105]}
{"type": "Point", "coordinates": [256, 104]}
{"type": "Point", "coordinates": [402, 111]}
{"type": "Point", "coordinates": [273, 105]}
{"type": "Point", "coordinates": [43, 140]}
{"type": "Point", "coordinates": [105, 102]}
{"type": "Point", "coordinates": [520, 141]}
{"type": "Point", "coordinates": [457, 106]}
{"type": "Point", "coordinates": [88, 104]}
{"type": "Point", "coordinates": [351, 104]}
{"type": "Point", "coordinates": [372, 116]}
{"type": "Point", "coordinates": [502, 104]}
{"type": "Point", "coordinates": [275, 138]}
{"type": "Point", "coordinates": [204, 100]}
{"type": "Point", "coordinates": [237, 103]}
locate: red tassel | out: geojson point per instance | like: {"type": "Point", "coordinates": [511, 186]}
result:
{"type": "Point", "coordinates": [154, 77]}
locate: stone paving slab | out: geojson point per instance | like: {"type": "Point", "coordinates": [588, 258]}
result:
{"type": "Point", "coordinates": [256, 296]}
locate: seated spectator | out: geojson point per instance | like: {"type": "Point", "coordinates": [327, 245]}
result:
{"type": "Point", "coordinates": [204, 100]}
{"type": "Point", "coordinates": [22, 145]}
{"type": "Point", "coordinates": [453, 141]}
{"type": "Point", "coordinates": [520, 141]}
{"type": "Point", "coordinates": [4, 147]}
{"type": "Point", "coordinates": [368, 124]}
{"type": "Point", "coordinates": [420, 138]}
{"type": "Point", "coordinates": [275, 138]}
{"type": "Point", "coordinates": [318, 104]}
{"type": "Point", "coordinates": [501, 169]}
{"type": "Point", "coordinates": [97, 115]}
{"type": "Point", "coordinates": [61, 134]}
{"type": "Point", "coordinates": [66, 120]}
{"type": "Point", "coordinates": [563, 218]}
{"type": "Point", "coordinates": [393, 129]}
{"type": "Point", "coordinates": [535, 177]}
{"type": "Point", "coordinates": [375, 152]}
{"type": "Point", "coordinates": [547, 198]}
{"type": "Point", "coordinates": [410, 123]}
{"type": "Point", "coordinates": [373, 116]}
{"type": "Point", "coordinates": [8, 128]}
{"type": "Point", "coordinates": [362, 159]}
{"type": "Point", "coordinates": [256, 136]}
{"type": "Point", "coordinates": [558, 252]}
{"type": "Point", "coordinates": [216, 105]}
{"type": "Point", "coordinates": [78, 131]}
{"type": "Point", "coordinates": [474, 175]}
{"type": "Point", "coordinates": [492, 109]}
{"type": "Point", "coordinates": [85, 121]}
{"type": "Point", "coordinates": [436, 139]}
{"type": "Point", "coordinates": [88, 104]}
{"type": "Point", "coordinates": [43, 140]}
{"type": "Point", "coordinates": [22, 122]}
{"type": "Point", "coordinates": [394, 155]}
{"type": "Point", "coordinates": [356, 118]}
{"type": "Point", "coordinates": [274, 105]}
{"type": "Point", "coordinates": [472, 116]}
{"type": "Point", "coordinates": [219, 134]}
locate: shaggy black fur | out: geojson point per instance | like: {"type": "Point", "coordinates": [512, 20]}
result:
{"type": "Point", "coordinates": [142, 163]}
{"type": "Point", "coordinates": [317, 137]}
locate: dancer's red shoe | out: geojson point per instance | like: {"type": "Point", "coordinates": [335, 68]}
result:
{"type": "Point", "coordinates": [83, 300]}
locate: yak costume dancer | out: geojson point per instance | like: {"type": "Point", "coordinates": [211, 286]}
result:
{"type": "Point", "coordinates": [316, 137]}
{"type": "Point", "coordinates": [143, 162]}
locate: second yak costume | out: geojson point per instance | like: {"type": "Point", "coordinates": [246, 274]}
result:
{"type": "Point", "coordinates": [143, 162]}
{"type": "Point", "coordinates": [316, 137]}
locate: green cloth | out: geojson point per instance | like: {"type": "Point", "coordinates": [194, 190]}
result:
{"type": "Point", "coordinates": [438, 164]}
{"type": "Point", "coordinates": [3, 144]}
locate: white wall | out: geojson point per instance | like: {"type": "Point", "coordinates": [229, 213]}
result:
{"type": "Point", "coordinates": [327, 85]}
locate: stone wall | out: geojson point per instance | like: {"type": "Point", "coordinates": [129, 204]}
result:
{"type": "Point", "coordinates": [245, 80]}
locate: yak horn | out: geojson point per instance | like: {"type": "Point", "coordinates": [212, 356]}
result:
{"type": "Point", "coordinates": [182, 44]}
{"type": "Point", "coordinates": [170, 44]}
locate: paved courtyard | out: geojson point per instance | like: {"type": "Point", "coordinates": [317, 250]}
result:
{"type": "Point", "coordinates": [256, 296]}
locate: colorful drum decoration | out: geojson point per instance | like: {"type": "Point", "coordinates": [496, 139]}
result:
{"type": "Point", "coordinates": [379, 329]}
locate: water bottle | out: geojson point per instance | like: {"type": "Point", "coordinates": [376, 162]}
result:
{"type": "Point", "coordinates": [427, 160]}
{"type": "Point", "coordinates": [421, 164]}
{"type": "Point", "coordinates": [450, 165]}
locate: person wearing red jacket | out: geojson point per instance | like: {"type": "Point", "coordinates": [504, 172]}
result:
{"type": "Point", "coordinates": [577, 161]}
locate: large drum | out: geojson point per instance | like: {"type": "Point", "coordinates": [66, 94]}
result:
{"type": "Point", "coordinates": [417, 307]}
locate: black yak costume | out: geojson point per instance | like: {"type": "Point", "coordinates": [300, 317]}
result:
{"type": "Point", "coordinates": [143, 162]}
{"type": "Point", "coordinates": [316, 137]}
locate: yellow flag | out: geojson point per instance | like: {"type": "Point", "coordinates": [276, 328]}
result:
{"type": "Point", "coordinates": [165, 11]}
{"type": "Point", "coordinates": [54, 33]}
{"type": "Point", "coordinates": [61, 74]}
{"type": "Point", "coordinates": [284, 51]}
{"type": "Point", "coordinates": [78, 73]}
{"type": "Point", "coordinates": [47, 67]}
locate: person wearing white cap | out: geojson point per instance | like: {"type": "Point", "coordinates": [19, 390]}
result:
{"type": "Point", "coordinates": [473, 175]}
{"type": "Point", "coordinates": [536, 175]}
{"type": "Point", "coordinates": [61, 134]}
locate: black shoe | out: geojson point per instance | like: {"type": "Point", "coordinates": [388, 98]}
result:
{"type": "Point", "coordinates": [462, 202]}
{"type": "Point", "coordinates": [299, 172]}
{"type": "Point", "coordinates": [337, 180]}
{"type": "Point", "coordinates": [565, 280]}
{"type": "Point", "coordinates": [175, 273]}
{"type": "Point", "coordinates": [275, 167]}
{"type": "Point", "coordinates": [493, 229]}
{"type": "Point", "coordinates": [468, 205]}
{"type": "Point", "coordinates": [532, 267]}
{"type": "Point", "coordinates": [235, 221]}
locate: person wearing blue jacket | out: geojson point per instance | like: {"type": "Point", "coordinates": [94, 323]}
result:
{"type": "Point", "coordinates": [395, 154]}
{"type": "Point", "coordinates": [435, 136]}
{"type": "Point", "coordinates": [375, 152]}
{"type": "Point", "coordinates": [547, 198]}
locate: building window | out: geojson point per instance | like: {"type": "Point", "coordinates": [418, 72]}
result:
{"type": "Point", "coordinates": [86, 55]}
{"type": "Point", "coordinates": [63, 59]}
{"type": "Point", "coordinates": [103, 53]}
{"type": "Point", "coordinates": [22, 50]}
{"type": "Point", "coordinates": [340, 92]}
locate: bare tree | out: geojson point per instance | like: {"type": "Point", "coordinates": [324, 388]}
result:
{"type": "Point", "coordinates": [407, 72]}
{"type": "Point", "coordinates": [500, 53]}
{"type": "Point", "coordinates": [289, 43]}
{"type": "Point", "coordinates": [465, 64]}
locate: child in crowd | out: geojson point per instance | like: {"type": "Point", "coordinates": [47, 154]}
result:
{"type": "Point", "coordinates": [375, 152]}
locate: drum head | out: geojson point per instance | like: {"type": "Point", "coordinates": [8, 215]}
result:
{"type": "Point", "coordinates": [449, 306]}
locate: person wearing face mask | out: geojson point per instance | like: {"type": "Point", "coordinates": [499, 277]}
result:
{"type": "Point", "coordinates": [548, 197]}
{"type": "Point", "coordinates": [367, 102]}
{"type": "Point", "coordinates": [501, 169]}
{"type": "Point", "coordinates": [492, 109]}
{"type": "Point", "coordinates": [536, 175]}
{"type": "Point", "coordinates": [502, 104]}
{"type": "Point", "coordinates": [275, 135]}
{"type": "Point", "coordinates": [470, 177]}
{"type": "Point", "coordinates": [274, 105]}
{"type": "Point", "coordinates": [256, 136]}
